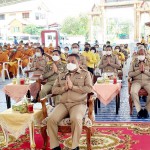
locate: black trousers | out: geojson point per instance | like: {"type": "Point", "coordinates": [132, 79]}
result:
{"type": "Point", "coordinates": [91, 70]}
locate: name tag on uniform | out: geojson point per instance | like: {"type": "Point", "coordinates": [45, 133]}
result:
{"type": "Point", "coordinates": [79, 77]}
{"type": "Point", "coordinates": [63, 78]}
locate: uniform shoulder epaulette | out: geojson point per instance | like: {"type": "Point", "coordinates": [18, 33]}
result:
{"type": "Point", "coordinates": [83, 69]}
{"type": "Point", "coordinates": [135, 60]}
{"type": "Point", "coordinates": [63, 62]}
{"type": "Point", "coordinates": [49, 63]}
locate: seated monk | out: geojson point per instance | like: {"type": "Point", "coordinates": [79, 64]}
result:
{"type": "Point", "coordinates": [51, 48]}
{"type": "Point", "coordinates": [27, 53]}
{"type": "Point", "coordinates": [3, 58]}
{"type": "Point", "coordinates": [46, 49]}
{"type": "Point", "coordinates": [16, 54]}
{"type": "Point", "coordinates": [109, 62]}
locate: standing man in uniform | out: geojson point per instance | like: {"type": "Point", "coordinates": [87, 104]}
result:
{"type": "Point", "coordinates": [140, 74]}
{"type": "Point", "coordinates": [73, 87]}
{"type": "Point", "coordinates": [109, 62]}
{"type": "Point", "coordinates": [51, 73]}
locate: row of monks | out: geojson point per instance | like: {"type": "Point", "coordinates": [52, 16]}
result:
{"type": "Point", "coordinates": [12, 53]}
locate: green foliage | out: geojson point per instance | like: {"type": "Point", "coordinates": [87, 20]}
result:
{"type": "Point", "coordinates": [33, 29]}
{"type": "Point", "coordinates": [76, 25]}
{"type": "Point", "coordinates": [118, 28]}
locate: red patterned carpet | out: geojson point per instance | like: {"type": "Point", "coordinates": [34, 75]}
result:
{"type": "Point", "coordinates": [107, 136]}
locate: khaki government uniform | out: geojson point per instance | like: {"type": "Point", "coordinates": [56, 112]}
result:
{"type": "Point", "coordinates": [72, 102]}
{"type": "Point", "coordinates": [115, 65]}
{"type": "Point", "coordinates": [38, 65]}
{"type": "Point", "coordinates": [140, 80]}
{"type": "Point", "coordinates": [51, 76]}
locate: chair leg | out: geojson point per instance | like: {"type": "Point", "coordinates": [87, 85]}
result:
{"type": "Point", "coordinates": [3, 75]}
{"type": "Point", "coordinates": [99, 103]}
{"type": "Point", "coordinates": [44, 136]}
{"type": "Point", "coordinates": [8, 74]}
{"type": "Point", "coordinates": [88, 138]}
{"type": "Point", "coordinates": [131, 105]}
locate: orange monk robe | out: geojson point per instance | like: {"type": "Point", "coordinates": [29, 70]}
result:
{"type": "Point", "coordinates": [3, 58]}
{"type": "Point", "coordinates": [13, 61]}
{"type": "Point", "coordinates": [25, 59]}
{"type": "Point", "coordinates": [51, 48]}
{"type": "Point", "coordinates": [46, 50]}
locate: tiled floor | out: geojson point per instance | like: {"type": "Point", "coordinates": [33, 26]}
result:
{"type": "Point", "coordinates": [105, 113]}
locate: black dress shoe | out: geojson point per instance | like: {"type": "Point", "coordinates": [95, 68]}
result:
{"type": "Point", "coordinates": [144, 98]}
{"type": "Point", "coordinates": [145, 113]}
{"type": "Point", "coordinates": [57, 148]}
{"type": "Point", "coordinates": [140, 114]}
{"type": "Point", "coordinates": [77, 148]}
{"type": "Point", "coordinates": [34, 101]}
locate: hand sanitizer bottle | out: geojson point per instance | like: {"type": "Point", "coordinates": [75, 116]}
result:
{"type": "Point", "coordinates": [18, 79]}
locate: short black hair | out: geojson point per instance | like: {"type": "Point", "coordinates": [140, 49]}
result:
{"type": "Point", "coordinates": [58, 51]}
{"type": "Point", "coordinates": [75, 44]}
{"type": "Point", "coordinates": [41, 49]}
{"type": "Point", "coordinates": [96, 45]}
{"type": "Point", "coordinates": [108, 42]}
{"type": "Point", "coordinates": [74, 55]}
{"type": "Point", "coordinates": [93, 48]}
{"type": "Point", "coordinates": [109, 46]}
{"type": "Point", "coordinates": [66, 47]}
{"type": "Point", "coordinates": [118, 47]}
{"type": "Point", "coordinates": [86, 43]}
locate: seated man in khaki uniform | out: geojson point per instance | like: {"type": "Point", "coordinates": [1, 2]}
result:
{"type": "Point", "coordinates": [140, 73]}
{"type": "Point", "coordinates": [51, 73]}
{"type": "Point", "coordinates": [73, 87]}
{"type": "Point", "coordinates": [75, 50]}
{"type": "Point", "coordinates": [109, 62]}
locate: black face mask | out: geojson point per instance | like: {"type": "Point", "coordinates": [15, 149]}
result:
{"type": "Point", "coordinates": [86, 49]}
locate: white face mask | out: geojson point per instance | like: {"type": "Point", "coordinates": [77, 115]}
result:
{"type": "Point", "coordinates": [66, 51]}
{"type": "Point", "coordinates": [75, 50]}
{"type": "Point", "coordinates": [141, 57]}
{"type": "Point", "coordinates": [108, 52]}
{"type": "Point", "coordinates": [97, 49]}
{"type": "Point", "coordinates": [92, 51]}
{"type": "Point", "coordinates": [104, 52]}
{"type": "Point", "coordinates": [55, 58]}
{"type": "Point", "coordinates": [71, 66]}
{"type": "Point", "coordinates": [117, 50]}
{"type": "Point", "coordinates": [37, 54]}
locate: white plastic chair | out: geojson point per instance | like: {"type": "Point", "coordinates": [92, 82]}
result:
{"type": "Point", "coordinates": [5, 69]}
